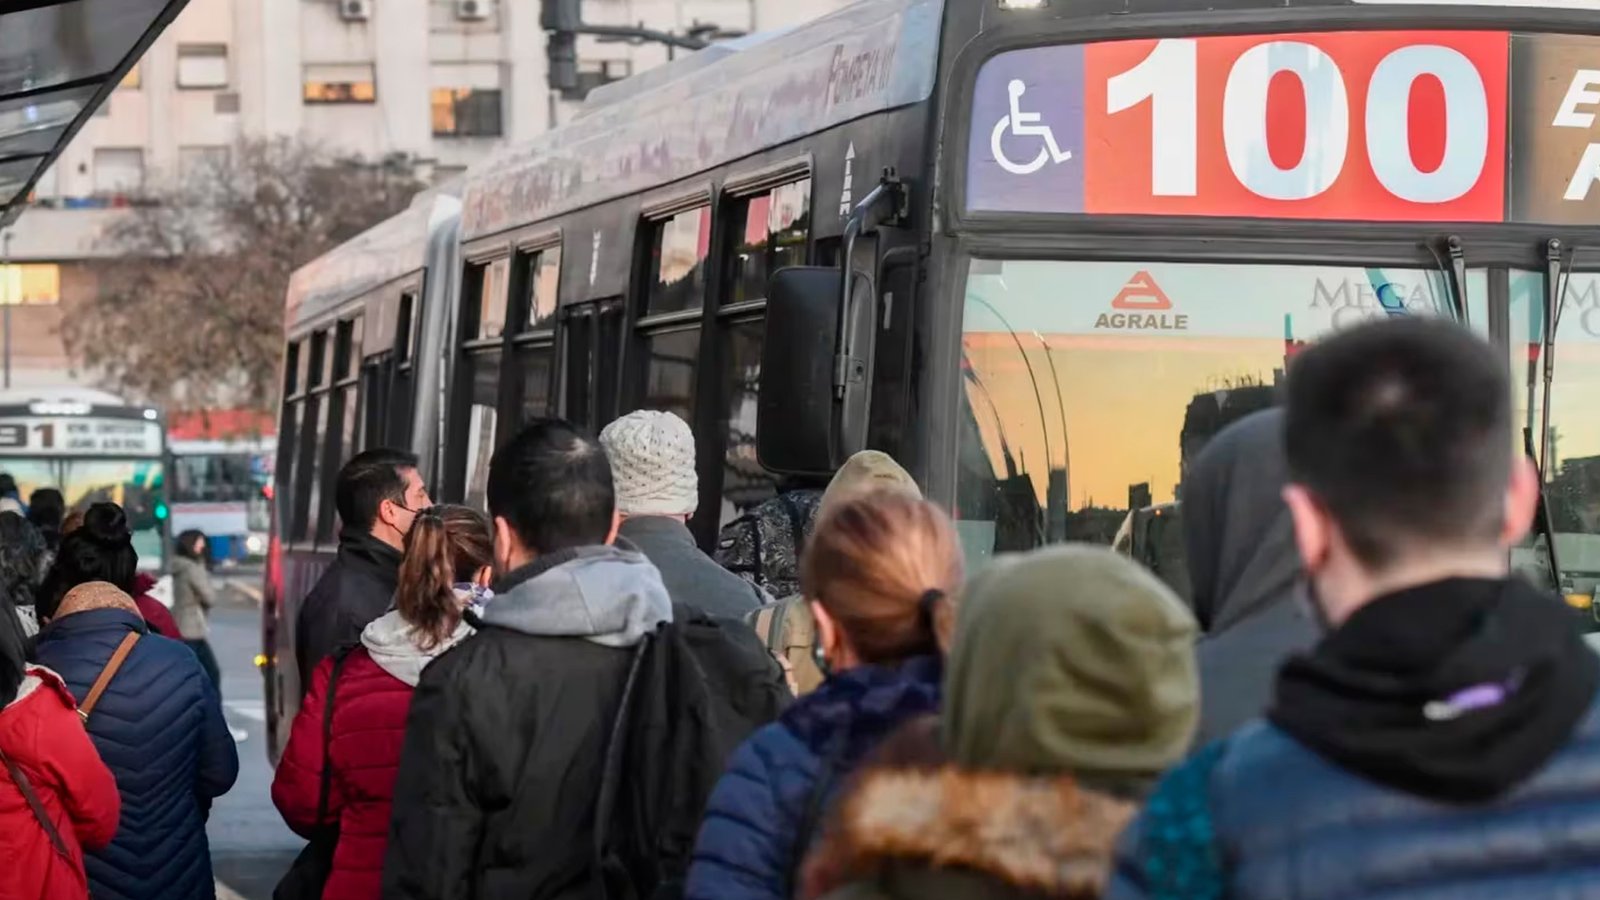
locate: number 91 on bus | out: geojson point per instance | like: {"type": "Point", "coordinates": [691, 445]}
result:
{"type": "Point", "coordinates": [1391, 126]}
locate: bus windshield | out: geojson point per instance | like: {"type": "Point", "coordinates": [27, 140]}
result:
{"type": "Point", "coordinates": [1089, 387]}
{"type": "Point", "coordinates": [135, 484]}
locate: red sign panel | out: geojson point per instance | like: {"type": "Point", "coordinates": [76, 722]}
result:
{"type": "Point", "coordinates": [1342, 125]}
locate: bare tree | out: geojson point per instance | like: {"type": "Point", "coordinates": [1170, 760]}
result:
{"type": "Point", "coordinates": [189, 309]}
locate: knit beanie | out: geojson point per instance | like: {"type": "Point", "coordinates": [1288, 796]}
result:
{"type": "Point", "coordinates": [652, 462]}
{"type": "Point", "coordinates": [1071, 659]}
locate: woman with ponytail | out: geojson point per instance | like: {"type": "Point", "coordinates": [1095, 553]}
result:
{"type": "Point", "coordinates": [879, 573]}
{"type": "Point", "coordinates": [449, 553]}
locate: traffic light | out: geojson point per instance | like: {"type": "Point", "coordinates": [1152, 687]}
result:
{"type": "Point", "coordinates": [161, 511]}
{"type": "Point", "coordinates": [562, 51]}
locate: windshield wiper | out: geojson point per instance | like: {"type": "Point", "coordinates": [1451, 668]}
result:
{"type": "Point", "coordinates": [1455, 274]}
{"type": "Point", "coordinates": [1555, 290]}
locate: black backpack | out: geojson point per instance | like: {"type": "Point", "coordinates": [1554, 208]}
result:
{"type": "Point", "coordinates": [696, 689]}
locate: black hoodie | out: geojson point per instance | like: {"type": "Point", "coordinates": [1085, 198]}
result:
{"type": "Point", "coordinates": [1243, 566]}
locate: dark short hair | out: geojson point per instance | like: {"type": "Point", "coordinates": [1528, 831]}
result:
{"type": "Point", "coordinates": [1402, 430]}
{"type": "Point", "coordinates": [552, 485]}
{"type": "Point", "coordinates": [368, 479]}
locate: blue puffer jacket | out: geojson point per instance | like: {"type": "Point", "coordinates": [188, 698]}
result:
{"type": "Point", "coordinates": [159, 728]}
{"type": "Point", "coordinates": [1292, 826]}
{"type": "Point", "coordinates": [772, 798]}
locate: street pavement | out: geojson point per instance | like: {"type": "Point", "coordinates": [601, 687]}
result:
{"type": "Point", "coordinates": [250, 846]}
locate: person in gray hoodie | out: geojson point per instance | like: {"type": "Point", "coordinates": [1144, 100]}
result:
{"type": "Point", "coordinates": [1244, 570]}
{"type": "Point", "coordinates": [652, 461]}
{"type": "Point", "coordinates": [506, 740]}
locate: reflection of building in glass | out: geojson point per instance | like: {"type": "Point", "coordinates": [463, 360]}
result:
{"type": "Point", "coordinates": [1575, 496]}
{"type": "Point", "coordinates": [1210, 412]}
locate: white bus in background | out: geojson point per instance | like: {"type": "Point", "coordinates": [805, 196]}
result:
{"type": "Point", "coordinates": [220, 487]}
{"type": "Point", "coordinates": [91, 446]}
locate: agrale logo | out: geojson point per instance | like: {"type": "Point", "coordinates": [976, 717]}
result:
{"type": "Point", "coordinates": [1146, 308]}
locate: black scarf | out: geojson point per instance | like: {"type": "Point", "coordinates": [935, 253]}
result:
{"type": "Point", "coordinates": [1455, 691]}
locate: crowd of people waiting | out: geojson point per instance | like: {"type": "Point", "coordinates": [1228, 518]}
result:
{"type": "Point", "coordinates": [566, 698]}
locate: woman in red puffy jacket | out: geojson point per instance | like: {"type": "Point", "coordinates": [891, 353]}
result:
{"type": "Point", "coordinates": [43, 741]}
{"type": "Point", "coordinates": [448, 555]}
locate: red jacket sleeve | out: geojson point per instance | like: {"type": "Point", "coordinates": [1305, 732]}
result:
{"type": "Point", "coordinates": [88, 789]}
{"type": "Point", "coordinates": [158, 617]}
{"type": "Point", "coordinates": [298, 780]}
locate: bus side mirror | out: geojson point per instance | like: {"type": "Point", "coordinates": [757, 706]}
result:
{"type": "Point", "coordinates": [797, 416]}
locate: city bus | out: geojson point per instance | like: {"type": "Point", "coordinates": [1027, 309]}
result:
{"type": "Point", "coordinates": [92, 447]}
{"type": "Point", "coordinates": [1014, 243]}
{"type": "Point", "coordinates": [220, 487]}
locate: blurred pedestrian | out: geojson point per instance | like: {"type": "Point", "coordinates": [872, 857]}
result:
{"type": "Point", "coordinates": [46, 510]}
{"type": "Point", "coordinates": [150, 709]}
{"type": "Point", "coordinates": [505, 746]}
{"type": "Point", "coordinates": [10, 495]}
{"type": "Point", "coordinates": [23, 562]}
{"type": "Point", "coordinates": [787, 627]}
{"type": "Point", "coordinates": [1070, 689]}
{"type": "Point", "coordinates": [111, 568]}
{"type": "Point", "coordinates": [378, 494]}
{"type": "Point", "coordinates": [879, 573]}
{"type": "Point", "coordinates": [1244, 571]}
{"type": "Point", "coordinates": [653, 463]}
{"type": "Point", "coordinates": [193, 596]}
{"type": "Point", "coordinates": [1443, 738]}
{"type": "Point", "coordinates": [449, 552]}
{"type": "Point", "coordinates": [56, 796]}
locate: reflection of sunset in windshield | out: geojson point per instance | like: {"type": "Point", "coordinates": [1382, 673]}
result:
{"type": "Point", "coordinates": [1132, 345]}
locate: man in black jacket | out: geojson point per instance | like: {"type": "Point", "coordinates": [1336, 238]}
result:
{"type": "Point", "coordinates": [378, 495]}
{"type": "Point", "coordinates": [506, 741]}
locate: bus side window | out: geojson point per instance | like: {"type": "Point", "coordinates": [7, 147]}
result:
{"type": "Point", "coordinates": [342, 416]}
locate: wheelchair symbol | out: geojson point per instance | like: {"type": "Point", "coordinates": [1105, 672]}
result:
{"type": "Point", "coordinates": [1025, 124]}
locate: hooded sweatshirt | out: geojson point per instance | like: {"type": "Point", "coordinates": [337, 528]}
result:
{"type": "Point", "coordinates": [505, 746]}
{"type": "Point", "coordinates": [1070, 687]}
{"type": "Point", "coordinates": [1243, 566]}
{"type": "Point", "coordinates": [606, 595]}
{"type": "Point", "coordinates": [391, 641]}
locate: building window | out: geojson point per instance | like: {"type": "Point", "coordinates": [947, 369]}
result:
{"type": "Point", "coordinates": [200, 161]}
{"type": "Point", "coordinates": [326, 83]}
{"type": "Point", "coordinates": [769, 233]}
{"type": "Point", "coordinates": [132, 80]}
{"type": "Point", "coordinates": [30, 284]}
{"type": "Point", "coordinates": [118, 170]}
{"type": "Point", "coordinates": [466, 112]}
{"type": "Point", "coordinates": [678, 262]}
{"type": "Point", "coordinates": [202, 66]}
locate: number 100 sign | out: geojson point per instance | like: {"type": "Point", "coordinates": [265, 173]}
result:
{"type": "Point", "coordinates": [1339, 125]}
{"type": "Point", "coordinates": [1356, 125]}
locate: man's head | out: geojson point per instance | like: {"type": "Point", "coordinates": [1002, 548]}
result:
{"type": "Point", "coordinates": [379, 493]}
{"type": "Point", "coordinates": [652, 460]}
{"type": "Point", "coordinates": [1398, 437]}
{"type": "Point", "coordinates": [550, 489]}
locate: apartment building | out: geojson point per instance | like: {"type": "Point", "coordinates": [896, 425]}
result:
{"type": "Point", "coordinates": [441, 81]}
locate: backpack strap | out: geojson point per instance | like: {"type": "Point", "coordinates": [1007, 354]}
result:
{"type": "Point", "coordinates": [326, 776]}
{"type": "Point", "coordinates": [118, 657]}
{"type": "Point", "coordinates": [26, 787]}
{"type": "Point", "coordinates": [605, 868]}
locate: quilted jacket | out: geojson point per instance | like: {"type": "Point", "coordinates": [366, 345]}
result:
{"type": "Point", "coordinates": [769, 805]}
{"type": "Point", "coordinates": [40, 734]}
{"type": "Point", "coordinates": [370, 702]}
{"type": "Point", "coordinates": [159, 728]}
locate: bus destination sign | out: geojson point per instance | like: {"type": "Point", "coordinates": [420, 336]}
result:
{"type": "Point", "coordinates": [1389, 126]}
{"type": "Point", "coordinates": [79, 436]}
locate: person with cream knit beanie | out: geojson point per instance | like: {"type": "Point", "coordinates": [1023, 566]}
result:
{"type": "Point", "coordinates": [652, 457]}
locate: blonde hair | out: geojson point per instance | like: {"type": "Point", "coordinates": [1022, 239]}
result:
{"type": "Point", "coordinates": [885, 566]}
